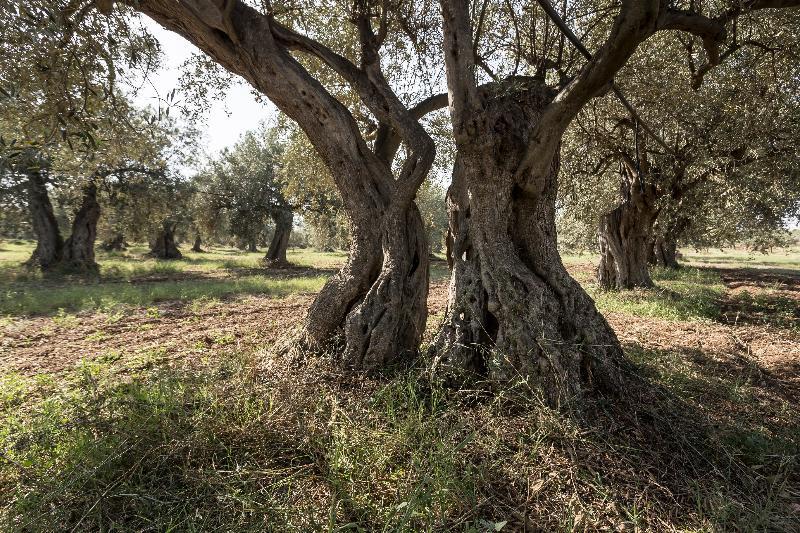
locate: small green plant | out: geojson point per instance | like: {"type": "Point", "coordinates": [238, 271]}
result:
{"type": "Point", "coordinates": [97, 336]}
{"type": "Point", "coordinates": [223, 339]}
{"type": "Point", "coordinates": [64, 319]}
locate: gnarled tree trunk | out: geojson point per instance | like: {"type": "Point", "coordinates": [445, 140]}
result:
{"type": "Point", "coordinates": [373, 310]}
{"type": "Point", "coordinates": [79, 248]}
{"type": "Point", "coordinates": [665, 245]}
{"type": "Point", "coordinates": [116, 243]}
{"type": "Point", "coordinates": [514, 313]}
{"type": "Point", "coordinates": [163, 246]}
{"type": "Point", "coordinates": [197, 246]}
{"type": "Point", "coordinates": [276, 254]}
{"type": "Point", "coordinates": [625, 245]}
{"type": "Point", "coordinates": [49, 242]}
{"type": "Point", "coordinates": [665, 249]}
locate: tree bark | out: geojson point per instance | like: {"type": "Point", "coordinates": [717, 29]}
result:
{"type": "Point", "coordinates": [514, 313]}
{"type": "Point", "coordinates": [79, 248]}
{"type": "Point", "coordinates": [276, 254]}
{"type": "Point", "coordinates": [665, 245]}
{"type": "Point", "coordinates": [665, 249]}
{"type": "Point", "coordinates": [373, 311]}
{"type": "Point", "coordinates": [625, 237]}
{"type": "Point", "coordinates": [251, 245]}
{"type": "Point", "coordinates": [115, 244]}
{"type": "Point", "coordinates": [163, 246]}
{"type": "Point", "coordinates": [49, 242]}
{"type": "Point", "coordinates": [197, 246]}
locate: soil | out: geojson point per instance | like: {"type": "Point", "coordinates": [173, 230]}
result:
{"type": "Point", "coordinates": [44, 344]}
{"type": "Point", "coordinates": [741, 339]}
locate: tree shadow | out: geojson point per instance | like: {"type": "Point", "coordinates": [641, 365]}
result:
{"type": "Point", "coordinates": [772, 277]}
{"type": "Point", "coordinates": [761, 297]}
{"type": "Point", "coordinates": [691, 442]}
{"type": "Point", "coordinates": [713, 448]}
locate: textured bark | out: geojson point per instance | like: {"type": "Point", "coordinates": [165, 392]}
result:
{"type": "Point", "coordinates": [625, 245]}
{"type": "Point", "coordinates": [362, 311]}
{"type": "Point", "coordinates": [387, 324]}
{"type": "Point", "coordinates": [49, 242]}
{"type": "Point", "coordinates": [163, 246]}
{"type": "Point", "coordinates": [276, 253]}
{"type": "Point", "coordinates": [651, 253]}
{"type": "Point", "coordinates": [373, 311]}
{"type": "Point", "coordinates": [79, 248]}
{"type": "Point", "coordinates": [197, 246]}
{"type": "Point", "coordinates": [665, 249]}
{"type": "Point", "coordinates": [513, 311]}
{"type": "Point", "coordinates": [114, 244]}
{"type": "Point", "coordinates": [251, 246]}
{"type": "Point", "coordinates": [665, 244]}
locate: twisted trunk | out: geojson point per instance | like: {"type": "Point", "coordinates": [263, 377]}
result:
{"type": "Point", "coordinates": [163, 246]}
{"type": "Point", "coordinates": [197, 246]}
{"type": "Point", "coordinates": [115, 244]}
{"type": "Point", "coordinates": [276, 254]}
{"type": "Point", "coordinates": [79, 248]}
{"type": "Point", "coordinates": [625, 245]}
{"type": "Point", "coordinates": [373, 310]}
{"type": "Point", "coordinates": [514, 313]}
{"type": "Point", "coordinates": [665, 245]}
{"type": "Point", "coordinates": [49, 242]}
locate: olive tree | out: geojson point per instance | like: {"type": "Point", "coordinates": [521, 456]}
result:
{"type": "Point", "coordinates": [62, 113]}
{"type": "Point", "coordinates": [245, 187]}
{"type": "Point", "coordinates": [513, 310]}
{"type": "Point", "coordinates": [667, 183]}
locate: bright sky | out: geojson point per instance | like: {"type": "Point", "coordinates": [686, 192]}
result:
{"type": "Point", "coordinates": [227, 119]}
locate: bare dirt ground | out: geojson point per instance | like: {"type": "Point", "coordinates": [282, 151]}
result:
{"type": "Point", "coordinates": [740, 340]}
{"type": "Point", "coordinates": [45, 344]}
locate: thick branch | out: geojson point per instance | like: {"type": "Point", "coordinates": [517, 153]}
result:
{"type": "Point", "coordinates": [270, 69]}
{"type": "Point", "coordinates": [377, 95]}
{"type": "Point", "coordinates": [712, 30]}
{"type": "Point", "coordinates": [635, 22]}
{"type": "Point", "coordinates": [460, 63]}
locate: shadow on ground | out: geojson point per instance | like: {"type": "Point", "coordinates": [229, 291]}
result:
{"type": "Point", "coordinates": [246, 443]}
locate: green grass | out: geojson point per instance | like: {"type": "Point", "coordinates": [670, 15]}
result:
{"type": "Point", "coordinates": [133, 264]}
{"type": "Point", "coordinates": [768, 307]}
{"type": "Point", "coordinates": [245, 441]}
{"type": "Point", "coordinates": [785, 258]}
{"type": "Point", "coordinates": [131, 279]}
{"type": "Point", "coordinates": [45, 300]}
{"type": "Point", "coordinates": [684, 294]}
{"type": "Point", "coordinates": [148, 446]}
